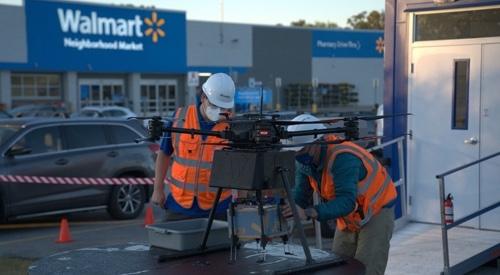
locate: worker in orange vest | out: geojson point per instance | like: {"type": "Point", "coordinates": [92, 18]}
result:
{"type": "Point", "coordinates": [186, 159]}
{"type": "Point", "coordinates": [356, 191]}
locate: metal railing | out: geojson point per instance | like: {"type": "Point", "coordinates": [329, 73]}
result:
{"type": "Point", "coordinates": [480, 258]}
{"type": "Point", "coordinates": [402, 175]}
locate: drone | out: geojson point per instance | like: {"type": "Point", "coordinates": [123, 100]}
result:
{"type": "Point", "coordinates": [257, 131]}
{"type": "Point", "coordinates": [253, 158]}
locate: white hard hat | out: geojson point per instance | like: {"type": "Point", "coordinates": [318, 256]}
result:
{"type": "Point", "coordinates": [219, 89]}
{"type": "Point", "coordinates": [304, 127]}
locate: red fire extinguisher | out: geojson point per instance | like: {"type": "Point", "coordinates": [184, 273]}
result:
{"type": "Point", "coordinates": [448, 209]}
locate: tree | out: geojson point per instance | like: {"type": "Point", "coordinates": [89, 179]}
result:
{"type": "Point", "coordinates": [374, 20]}
{"type": "Point", "coordinates": [317, 24]}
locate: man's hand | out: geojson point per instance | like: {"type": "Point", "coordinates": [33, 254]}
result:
{"type": "Point", "coordinates": [286, 211]}
{"type": "Point", "coordinates": [311, 213]}
{"type": "Point", "coordinates": [158, 198]}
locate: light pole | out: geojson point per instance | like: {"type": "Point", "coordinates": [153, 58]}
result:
{"type": "Point", "coordinates": [277, 83]}
{"type": "Point", "coordinates": [315, 95]}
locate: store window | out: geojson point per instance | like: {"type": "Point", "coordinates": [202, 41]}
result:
{"type": "Point", "coordinates": [36, 86]}
{"type": "Point", "coordinates": [457, 25]}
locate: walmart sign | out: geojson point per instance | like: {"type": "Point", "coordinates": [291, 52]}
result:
{"type": "Point", "coordinates": [84, 37]}
{"type": "Point", "coordinates": [73, 21]}
{"type": "Point", "coordinates": [348, 44]}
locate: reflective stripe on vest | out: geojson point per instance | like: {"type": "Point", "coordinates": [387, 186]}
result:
{"type": "Point", "coordinates": [191, 162]}
{"type": "Point", "coordinates": [368, 201]}
{"type": "Point", "coordinates": [374, 165]}
{"type": "Point", "coordinates": [178, 123]}
{"type": "Point", "coordinates": [191, 186]}
{"type": "Point", "coordinates": [376, 168]}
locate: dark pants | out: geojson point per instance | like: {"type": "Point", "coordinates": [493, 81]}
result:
{"type": "Point", "coordinates": [371, 245]}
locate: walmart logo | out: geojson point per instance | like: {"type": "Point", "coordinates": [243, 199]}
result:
{"type": "Point", "coordinates": [154, 27]}
{"type": "Point", "coordinates": [74, 21]}
{"type": "Point", "coordinates": [379, 45]}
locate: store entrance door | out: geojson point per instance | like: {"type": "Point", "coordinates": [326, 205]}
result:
{"type": "Point", "coordinates": [158, 97]}
{"type": "Point", "coordinates": [102, 92]}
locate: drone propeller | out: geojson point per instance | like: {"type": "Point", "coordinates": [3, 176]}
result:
{"type": "Point", "coordinates": [158, 118]}
{"type": "Point", "coordinates": [279, 145]}
{"type": "Point", "coordinates": [336, 119]}
{"type": "Point", "coordinates": [144, 117]}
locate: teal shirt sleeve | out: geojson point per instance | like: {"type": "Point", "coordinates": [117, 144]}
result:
{"type": "Point", "coordinates": [347, 170]}
{"type": "Point", "coordinates": [302, 191]}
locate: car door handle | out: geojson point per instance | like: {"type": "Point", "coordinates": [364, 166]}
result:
{"type": "Point", "coordinates": [61, 162]}
{"type": "Point", "coordinates": [113, 154]}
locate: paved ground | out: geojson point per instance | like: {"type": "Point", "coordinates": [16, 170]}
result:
{"type": "Point", "coordinates": [416, 249]}
{"type": "Point", "coordinates": [25, 241]}
{"type": "Point", "coordinates": [37, 242]}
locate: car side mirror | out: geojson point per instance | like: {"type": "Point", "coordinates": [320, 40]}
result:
{"type": "Point", "coordinates": [18, 150]}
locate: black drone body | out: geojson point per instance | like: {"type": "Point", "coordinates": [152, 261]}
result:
{"type": "Point", "coordinates": [262, 132]}
{"type": "Point", "coordinates": [253, 133]}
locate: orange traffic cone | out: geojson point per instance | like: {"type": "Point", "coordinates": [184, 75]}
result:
{"type": "Point", "coordinates": [64, 235]}
{"type": "Point", "coordinates": [149, 218]}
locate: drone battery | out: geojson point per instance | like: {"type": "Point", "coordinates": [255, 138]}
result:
{"type": "Point", "coordinates": [252, 170]}
{"type": "Point", "coordinates": [247, 222]}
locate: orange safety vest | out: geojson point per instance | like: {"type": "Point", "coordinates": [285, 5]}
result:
{"type": "Point", "coordinates": [375, 190]}
{"type": "Point", "coordinates": [191, 160]}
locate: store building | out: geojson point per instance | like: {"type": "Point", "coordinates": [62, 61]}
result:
{"type": "Point", "coordinates": [93, 55]}
{"type": "Point", "coordinates": [154, 60]}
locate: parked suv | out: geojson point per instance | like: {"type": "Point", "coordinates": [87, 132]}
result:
{"type": "Point", "coordinates": [73, 148]}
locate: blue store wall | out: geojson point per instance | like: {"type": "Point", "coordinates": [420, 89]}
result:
{"type": "Point", "coordinates": [80, 37]}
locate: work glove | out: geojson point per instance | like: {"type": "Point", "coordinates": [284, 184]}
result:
{"type": "Point", "coordinates": [286, 211]}
{"type": "Point", "coordinates": [311, 213]}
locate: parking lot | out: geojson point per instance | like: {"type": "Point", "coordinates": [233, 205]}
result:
{"type": "Point", "coordinates": [25, 241]}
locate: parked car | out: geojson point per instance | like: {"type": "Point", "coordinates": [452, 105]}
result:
{"type": "Point", "coordinates": [73, 148]}
{"type": "Point", "coordinates": [41, 110]}
{"type": "Point", "coordinates": [5, 114]}
{"type": "Point", "coordinates": [105, 111]}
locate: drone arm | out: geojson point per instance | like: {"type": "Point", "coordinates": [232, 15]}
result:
{"type": "Point", "coordinates": [193, 132]}
{"type": "Point", "coordinates": [288, 134]}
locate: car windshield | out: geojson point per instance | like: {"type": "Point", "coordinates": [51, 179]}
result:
{"type": "Point", "coordinates": [6, 132]}
{"type": "Point", "coordinates": [4, 114]}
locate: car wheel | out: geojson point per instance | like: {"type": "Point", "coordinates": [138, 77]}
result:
{"type": "Point", "coordinates": [127, 201]}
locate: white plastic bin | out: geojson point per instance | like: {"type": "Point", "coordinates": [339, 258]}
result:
{"type": "Point", "coordinates": [187, 234]}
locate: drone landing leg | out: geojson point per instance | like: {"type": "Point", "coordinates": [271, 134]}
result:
{"type": "Point", "coordinates": [263, 237]}
{"type": "Point", "coordinates": [211, 217]}
{"type": "Point", "coordinates": [234, 238]}
{"type": "Point", "coordinates": [296, 218]}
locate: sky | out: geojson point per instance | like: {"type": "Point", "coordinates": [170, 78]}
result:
{"type": "Point", "coordinates": [265, 12]}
